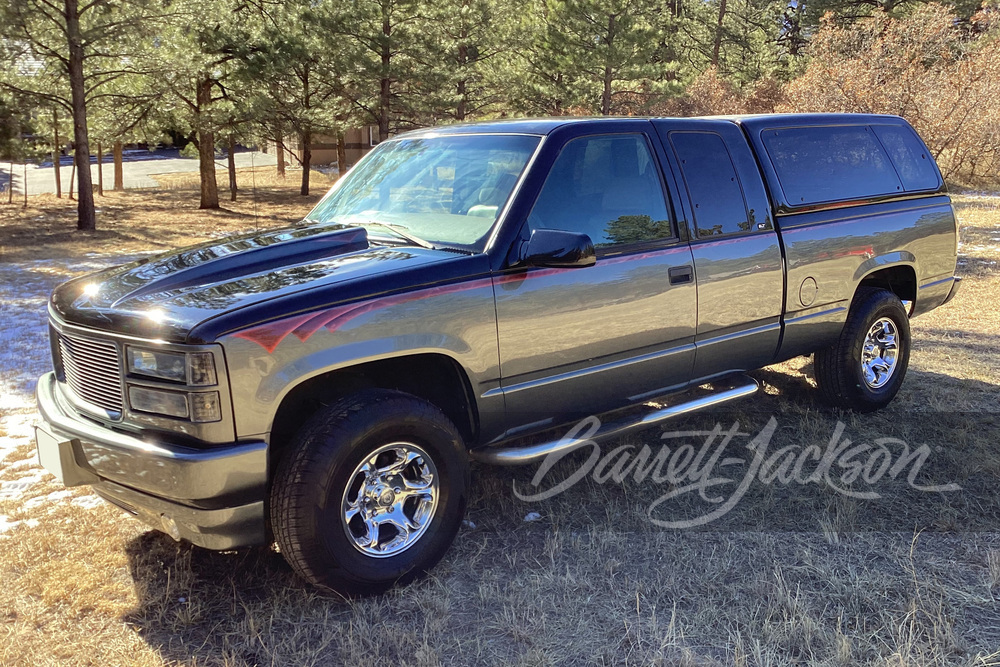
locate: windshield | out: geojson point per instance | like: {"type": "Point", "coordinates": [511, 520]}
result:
{"type": "Point", "coordinates": [445, 189]}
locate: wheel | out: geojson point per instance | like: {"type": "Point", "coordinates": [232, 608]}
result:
{"type": "Point", "coordinates": [371, 494]}
{"type": "Point", "coordinates": [864, 369]}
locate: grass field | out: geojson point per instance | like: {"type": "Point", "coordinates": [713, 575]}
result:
{"type": "Point", "coordinates": [794, 574]}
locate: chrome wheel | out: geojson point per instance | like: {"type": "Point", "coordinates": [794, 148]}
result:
{"type": "Point", "coordinates": [390, 499]}
{"type": "Point", "coordinates": [879, 353]}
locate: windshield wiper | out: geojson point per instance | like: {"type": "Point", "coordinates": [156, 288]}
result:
{"type": "Point", "coordinates": [403, 233]}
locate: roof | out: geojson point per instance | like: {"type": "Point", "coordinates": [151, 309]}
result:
{"type": "Point", "coordinates": [542, 126]}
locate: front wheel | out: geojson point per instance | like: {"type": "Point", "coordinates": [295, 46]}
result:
{"type": "Point", "coordinates": [865, 368]}
{"type": "Point", "coordinates": [371, 494]}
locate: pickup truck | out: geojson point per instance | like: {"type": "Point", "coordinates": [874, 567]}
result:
{"type": "Point", "coordinates": [471, 291]}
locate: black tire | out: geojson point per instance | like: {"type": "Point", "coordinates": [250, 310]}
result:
{"type": "Point", "coordinates": [311, 481]}
{"type": "Point", "coordinates": [838, 368]}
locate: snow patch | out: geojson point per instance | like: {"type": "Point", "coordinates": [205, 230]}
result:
{"type": "Point", "coordinates": [23, 463]}
{"type": "Point", "coordinates": [24, 352]}
{"type": "Point", "coordinates": [6, 524]}
{"type": "Point", "coordinates": [87, 502]}
{"type": "Point", "coordinates": [53, 497]}
{"type": "Point", "coordinates": [18, 487]}
{"type": "Point", "coordinates": [16, 429]}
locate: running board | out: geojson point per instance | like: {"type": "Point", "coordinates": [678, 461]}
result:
{"type": "Point", "coordinates": [742, 387]}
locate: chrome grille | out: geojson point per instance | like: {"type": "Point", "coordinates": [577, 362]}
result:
{"type": "Point", "coordinates": [92, 371]}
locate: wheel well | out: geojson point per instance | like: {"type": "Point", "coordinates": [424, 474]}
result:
{"type": "Point", "coordinates": [900, 280]}
{"type": "Point", "coordinates": [435, 378]}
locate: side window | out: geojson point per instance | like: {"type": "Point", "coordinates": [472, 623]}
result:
{"type": "Point", "coordinates": [823, 164]}
{"type": "Point", "coordinates": [605, 186]}
{"type": "Point", "coordinates": [712, 184]}
{"type": "Point", "coordinates": [908, 155]}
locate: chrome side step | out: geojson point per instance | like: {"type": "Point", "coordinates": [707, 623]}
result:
{"type": "Point", "coordinates": [742, 387]}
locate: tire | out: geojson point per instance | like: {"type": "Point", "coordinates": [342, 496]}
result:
{"type": "Point", "coordinates": [333, 486]}
{"type": "Point", "coordinates": [840, 369]}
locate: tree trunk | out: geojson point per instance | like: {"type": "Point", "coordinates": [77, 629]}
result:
{"type": "Point", "coordinates": [100, 169]}
{"type": "Point", "coordinates": [231, 163]}
{"type": "Point", "coordinates": [25, 178]}
{"type": "Point", "coordinates": [385, 85]}
{"type": "Point", "coordinates": [306, 161]}
{"type": "Point", "coordinates": [206, 149]}
{"type": "Point", "coordinates": [608, 71]}
{"type": "Point", "coordinates": [86, 218]}
{"type": "Point", "coordinates": [306, 135]}
{"type": "Point", "coordinates": [557, 104]}
{"type": "Point", "coordinates": [72, 179]}
{"type": "Point", "coordinates": [463, 59]}
{"type": "Point", "coordinates": [462, 110]}
{"type": "Point", "coordinates": [116, 150]}
{"type": "Point", "coordinates": [341, 153]}
{"type": "Point", "coordinates": [718, 34]}
{"type": "Point", "coordinates": [10, 185]}
{"type": "Point", "coordinates": [279, 151]}
{"type": "Point", "coordinates": [56, 153]}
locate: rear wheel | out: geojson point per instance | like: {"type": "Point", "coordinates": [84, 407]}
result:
{"type": "Point", "coordinates": [371, 494]}
{"type": "Point", "coordinates": [865, 368]}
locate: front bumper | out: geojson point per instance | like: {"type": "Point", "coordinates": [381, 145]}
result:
{"type": "Point", "coordinates": [211, 497]}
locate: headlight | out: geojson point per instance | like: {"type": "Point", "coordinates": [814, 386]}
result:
{"type": "Point", "coordinates": [198, 407]}
{"type": "Point", "coordinates": [170, 403]}
{"type": "Point", "coordinates": [196, 369]}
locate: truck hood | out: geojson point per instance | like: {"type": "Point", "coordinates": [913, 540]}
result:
{"type": "Point", "coordinates": [167, 295]}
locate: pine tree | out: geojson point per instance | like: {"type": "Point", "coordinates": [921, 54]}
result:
{"type": "Point", "coordinates": [64, 54]}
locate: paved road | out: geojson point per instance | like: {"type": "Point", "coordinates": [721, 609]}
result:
{"type": "Point", "coordinates": [139, 169]}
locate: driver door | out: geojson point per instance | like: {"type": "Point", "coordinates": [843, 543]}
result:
{"type": "Point", "coordinates": [578, 341]}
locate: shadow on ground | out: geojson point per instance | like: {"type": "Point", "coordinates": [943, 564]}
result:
{"type": "Point", "coordinates": [600, 532]}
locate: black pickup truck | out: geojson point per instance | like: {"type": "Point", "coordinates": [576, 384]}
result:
{"type": "Point", "coordinates": [473, 290]}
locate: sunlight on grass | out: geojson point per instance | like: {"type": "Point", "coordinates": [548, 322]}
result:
{"type": "Point", "coordinates": [592, 581]}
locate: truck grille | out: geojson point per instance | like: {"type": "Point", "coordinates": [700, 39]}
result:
{"type": "Point", "coordinates": [92, 371]}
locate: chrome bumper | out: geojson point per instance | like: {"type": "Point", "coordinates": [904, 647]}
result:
{"type": "Point", "coordinates": [212, 497]}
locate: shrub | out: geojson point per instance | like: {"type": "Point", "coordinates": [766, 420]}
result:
{"type": "Point", "coordinates": [941, 75]}
{"type": "Point", "coordinates": [710, 94]}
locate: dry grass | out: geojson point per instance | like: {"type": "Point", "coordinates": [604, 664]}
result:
{"type": "Point", "coordinates": [794, 575]}
{"type": "Point", "coordinates": [143, 220]}
{"type": "Point", "coordinates": [247, 178]}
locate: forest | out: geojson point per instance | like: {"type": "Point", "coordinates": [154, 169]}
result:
{"type": "Point", "coordinates": [98, 75]}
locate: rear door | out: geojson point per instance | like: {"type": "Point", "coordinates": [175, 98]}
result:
{"type": "Point", "coordinates": [583, 340]}
{"type": "Point", "coordinates": [736, 250]}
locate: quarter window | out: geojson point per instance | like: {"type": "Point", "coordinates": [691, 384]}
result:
{"type": "Point", "coordinates": [607, 187]}
{"type": "Point", "coordinates": [712, 184]}
{"type": "Point", "coordinates": [908, 154]}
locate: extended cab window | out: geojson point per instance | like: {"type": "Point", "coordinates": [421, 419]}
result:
{"type": "Point", "coordinates": [607, 187]}
{"type": "Point", "coordinates": [826, 164]}
{"type": "Point", "coordinates": [712, 184]}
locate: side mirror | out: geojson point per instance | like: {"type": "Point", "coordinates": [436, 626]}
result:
{"type": "Point", "coordinates": [558, 249]}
